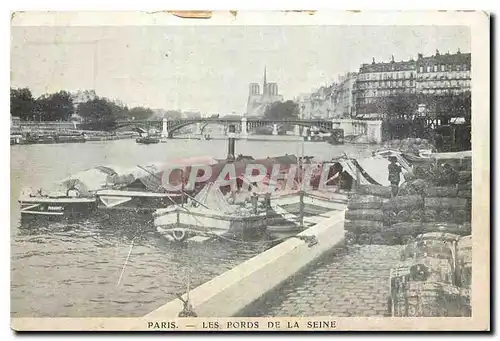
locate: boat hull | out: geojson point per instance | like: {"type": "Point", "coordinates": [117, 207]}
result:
{"type": "Point", "coordinates": [56, 208]}
{"type": "Point", "coordinates": [135, 201]}
{"type": "Point", "coordinates": [147, 140]}
{"type": "Point", "coordinates": [210, 223]}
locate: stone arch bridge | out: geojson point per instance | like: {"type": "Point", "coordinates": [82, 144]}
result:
{"type": "Point", "coordinates": [243, 125]}
{"type": "Point", "coordinates": [371, 129]}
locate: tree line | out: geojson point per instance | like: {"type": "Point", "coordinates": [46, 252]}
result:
{"type": "Point", "coordinates": [288, 110]}
{"type": "Point", "coordinates": [93, 110]}
{"type": "Point", "coordinates": [397, 106]}
{"type": "Point", "coordinates": [405, 106]}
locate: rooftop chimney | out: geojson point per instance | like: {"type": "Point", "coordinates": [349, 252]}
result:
{"type": "Point", "coordinates": [373, 60]}
{"type": "Point", "coordinates": [392, 59]}
{"type": "Point", "coordinates": [458, 52]}
{"type": "Point", "coordinates": [437, 52]}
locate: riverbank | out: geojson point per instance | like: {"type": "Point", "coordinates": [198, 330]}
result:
{"type": "Point", "coordinates": [70, 136]}
{"type": "Point", "coordinates": [262, 138]}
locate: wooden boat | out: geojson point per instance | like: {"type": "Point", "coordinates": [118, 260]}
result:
{"type": "Point", "coordinates": [71, 197]}
{"type": "Point", "coordinates": [213, 214]}
{"type": "Point", "coordinates": [52, 139]}
{"type": "Point", "coordinates": [316, 206]}
{"type": "Point", "coordinates": [141, 189]}
{"type": "Point", "coordinates": [56, 206]}
{"type": "Point", "coordinates": [336, 137]}
{"type": "Point", "coordinates": [147, 140]}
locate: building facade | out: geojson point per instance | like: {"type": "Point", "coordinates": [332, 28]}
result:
{"type": "Point", "coordinates": [342, 96]}
{"type": "Point", "coordinates": [257, 101]}
{"type": "Point", "coordinates": [434, 75]}
{"type": "Point", "coordinates": [443, 73]}
{"type": "Point", "coordinates": [316, 105]}
{"type": "Point", "coordinates": [15, 122]}
{"type": "Point", "coordinates": [377, 80]}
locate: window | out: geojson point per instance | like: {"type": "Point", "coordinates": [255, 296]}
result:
{"type": "Point", "coordinates": [459, 67]}
{"type": "Point", "coordinates": [435, 68]}
{"type": "Point", "coordinates": [421, 69]}
{"type": "Point", "coordinates": [428, 69]}
{"type": "Point", "coordinates": [442, 67]}
{"type": "Point", "coordinates": [464, 67]}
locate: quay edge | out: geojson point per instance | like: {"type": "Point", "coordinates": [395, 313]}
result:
{"type": "Point", "coordinates": [235, 290]}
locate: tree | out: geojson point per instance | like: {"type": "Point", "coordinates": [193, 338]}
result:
{"type": "Point", "coordinates": [454, 105]}
{"type": "Point", "coordinates": [288, 110]}
{"type": "Point", "coordinates": [100, 113]}
{"type": "Point", "coordinates": [400, 105]}
{"type": "Point", "coordinates": [83, 96]}
{"type": "Point", "coordinates": [55, 107]}
{"type": "Point", "coordinates": [22, 103]}
{"type": "Point", "coordinates": [140, 113]}
{"type": "Point", "coordinates": [173, 114]}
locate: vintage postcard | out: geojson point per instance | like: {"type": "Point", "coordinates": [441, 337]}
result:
{"type": "Point", "coordinates": [250, 171]}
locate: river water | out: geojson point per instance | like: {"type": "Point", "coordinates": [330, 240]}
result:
{"type": "Point", "coordinates": [72, 269]}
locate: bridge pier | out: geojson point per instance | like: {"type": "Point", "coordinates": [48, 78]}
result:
{"type": "Point", "coordinates": [305, 131]}
{"type": "Point", "coordinates": [374, 131]}
{"type": "Point", "coordinates": [244, 128]}
{"type": "Point", "coordinates": [371, 129]}
{"type": "Point", "coordinates": [296, 130]}
{"type": "Point", "coordinates": [275, 129]}
{"type": "Point", "coordinates": [164, 129]}
{"type": "Point", "coordinates": [197, 132]}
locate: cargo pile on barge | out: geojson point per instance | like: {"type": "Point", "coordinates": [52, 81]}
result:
{"type": "Point", "coordinates": [436, 197]}
{"type": "Point", "coordinates": [433, 277]}
{"type": "Point", "coordinates": [431, 217]}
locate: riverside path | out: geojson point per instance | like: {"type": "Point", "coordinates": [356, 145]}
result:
{"type": "Point", "coordinates": [353, 282]}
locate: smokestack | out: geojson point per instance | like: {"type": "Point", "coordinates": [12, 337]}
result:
{"type": "Point", "coordinates": [230, 147]}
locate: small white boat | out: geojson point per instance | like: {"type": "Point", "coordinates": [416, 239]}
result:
{"type": "Point", "coordinates": [73, 196]}
{"type": "Point", "coordinates": [56, 206]}
{"type": "Point", "coordinates": [141, 189]}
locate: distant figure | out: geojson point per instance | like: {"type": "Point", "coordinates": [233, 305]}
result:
{"type": "Point", "coordinates": [394, 175]}
{"type": "Point", "coordinates": [439, 142]}
{"type": "Point", "coordinates": [255, 202]}
{"type": "Point", "coordinates": [267, 200]}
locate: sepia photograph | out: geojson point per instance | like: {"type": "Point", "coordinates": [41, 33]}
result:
{"type": "Point", "coordinates": [228, 171]}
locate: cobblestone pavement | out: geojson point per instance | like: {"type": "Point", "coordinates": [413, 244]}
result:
{"type": "Point", "coordinates": [354, 282]}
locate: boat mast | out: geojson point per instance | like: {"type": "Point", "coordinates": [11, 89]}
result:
{"type": "Point", "coordinates": [301, 191]}
{"type": "Point", "coordinates": [231, 143]}
{"type": "Point", "coordinates": [230, 151]}
{"type": "Point", "coordinates": [188, 309]}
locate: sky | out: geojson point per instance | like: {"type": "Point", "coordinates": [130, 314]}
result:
{"type": "Point", "coordinates": [208, 68]}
